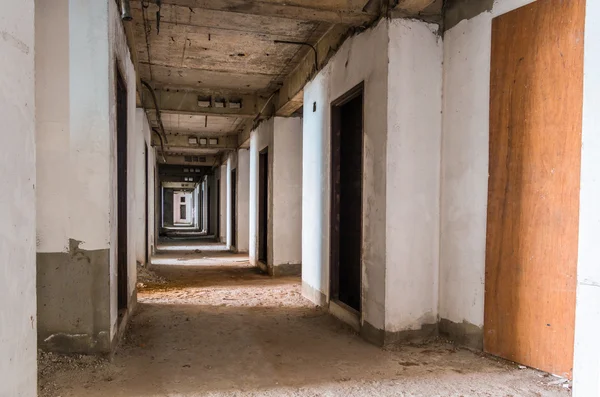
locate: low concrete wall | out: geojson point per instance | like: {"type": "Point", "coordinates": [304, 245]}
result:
{"type": "Point", "coordinates": [73, 300]}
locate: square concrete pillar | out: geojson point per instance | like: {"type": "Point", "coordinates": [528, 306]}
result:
{"type": "Point", "coordinates": [78, 45]}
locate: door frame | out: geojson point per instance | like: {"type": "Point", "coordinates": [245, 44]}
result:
{"type": "Point", "coordinates": [122, 147]}
{"type": "Point", "coordinates": [263, 206]}
{"type": "Point", "coordinates": [233, 177]}
{"type": "Point", "coordinates": [334, 235]}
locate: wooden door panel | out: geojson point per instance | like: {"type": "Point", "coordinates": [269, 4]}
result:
{"type": "Point", "coordinates": [533, 200]}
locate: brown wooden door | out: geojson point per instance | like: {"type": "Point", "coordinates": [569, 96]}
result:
{"type": "Point", "coordinates": [533, 203]}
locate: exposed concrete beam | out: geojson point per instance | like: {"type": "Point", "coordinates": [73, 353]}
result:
{"type": "Point", "coordinates": [210, 160]}
{"type": "Point", "coordinates": [289, 98]}
{"type": "Point", "coordinates": [187, 102]}
{"type": "Point", "coordinates": [179, 143]}
{"type": "Point", "coordinates": [275, 10]}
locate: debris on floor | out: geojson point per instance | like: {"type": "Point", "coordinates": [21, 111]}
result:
{"type": "Point", "coordinates": [68, 368]}
{"type": "Point", "coordinates": [147, 277]}
{"type": "Point", "coordinates": [228, 330]}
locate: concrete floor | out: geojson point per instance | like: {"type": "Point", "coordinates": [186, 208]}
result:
{"type": "Point", "coordinates": [220, 328]}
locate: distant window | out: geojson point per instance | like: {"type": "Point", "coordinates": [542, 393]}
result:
{"type": "Point", "coordinates": [182, 211]}
{"type": "Point", "coordinates": [183, 199]}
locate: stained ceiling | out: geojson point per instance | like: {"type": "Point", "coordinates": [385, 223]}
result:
{"type": "Point", "coordinates": [215, 65]}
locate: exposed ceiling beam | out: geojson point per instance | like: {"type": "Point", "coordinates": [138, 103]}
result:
{"type": "Point", "coordinates": [188, 102]}
{"type": "Point", "coordinates": [180, 143]}
{"type": "Point", "coordinates": [277, 10]}
{"type": "Point", "coordinates": [180, 159]}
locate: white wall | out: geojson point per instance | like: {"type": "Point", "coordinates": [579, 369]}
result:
{"type": "Point", "coordinates": [260, 138]}
{"type": "Point", "coordinates": [140, 138]}
{"type": "Point", "coordinates": [287, 191]}
{"type": "Point", "coordinates": [52, 125]}
{"type": "Point", "coordinates": [413, 175]}
{"type": "Point", "coordinates": [315, 190]}
{"type": "Point", "coordinates": [243, 204]}
{"type": "Point", "coordinates": [467, 63]}
{"type": "Point", "coordinates": [18, 353]}
{"type": "Point", "coordinates": [362, 58]}
{"type": "Point", "coordinates": [586, 371]}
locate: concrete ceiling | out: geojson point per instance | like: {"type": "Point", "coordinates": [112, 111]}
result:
{"type": "Point", "coordinates": [225, 50]}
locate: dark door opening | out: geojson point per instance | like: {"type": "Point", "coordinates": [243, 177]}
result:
{"type": "Point", "coordinates": [121, 192]}
{"type": "Point", "coordinates": [208, 198]}
{"type": "Point", "coordinates": [233, 207]}
{"type": "Point", "coordinates": [263, 204]}
{"type": "Point", "coordinates": [218, 226]}
{"type": "Point", "coordinates": [147, 255]}
{"type": "Point", "coordinates": [346, 197]}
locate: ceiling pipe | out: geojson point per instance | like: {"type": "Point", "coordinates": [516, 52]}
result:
{"type": "Point", "coordinates": [126, 10]}
{"type": "Point", "coordinates": [162, 145]}
{"type": "Point", "coordinates": [158, 118]}
{"type": "Point", "coordinates": [304, 43]}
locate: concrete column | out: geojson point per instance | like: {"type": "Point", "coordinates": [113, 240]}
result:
{"type": "Point", "coordinates": [79, 44]}
{"type": "Point", "coordinates": [243, 195]}
{"type": "Point", "coordinates": [287, 196]}
{"type": "Point", "coordinates": [18, 353]}
{"type": "Point", "coordinates": [413, 179]}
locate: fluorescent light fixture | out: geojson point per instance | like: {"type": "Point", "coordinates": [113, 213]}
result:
{"type": "Point", "coordinates": [213, 141]}
{"type": "Point", "coordinates": [203, 141]}
{"type": "Point", "coordinates": [193, 140]}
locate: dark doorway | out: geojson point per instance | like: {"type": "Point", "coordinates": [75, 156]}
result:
{"type": "Point", "coordinates": [218, 218]}
{"type": "Point", "coordinates": [146, 202]}
{"type": "Point", "coordinates": [263, 204]}
{"type": "Point", "coordinates": [346, 197]}
{"type": "Point", "coordinates": [208, 213]}
{"type": "Point", "coordinates": [233, 208]}
{"type": "Point", "coordinates": [121, 192]}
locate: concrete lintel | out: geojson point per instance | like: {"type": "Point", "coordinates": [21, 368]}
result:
{"type": "Point", "coordinates": [273, 10]}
